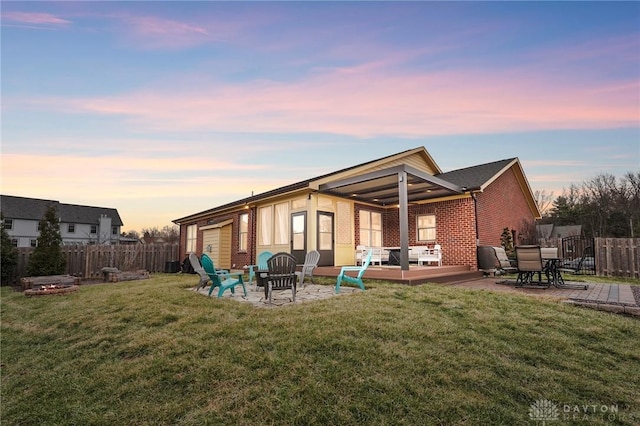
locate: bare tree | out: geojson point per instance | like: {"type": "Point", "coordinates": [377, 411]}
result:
{"type": "Point", "coordinates": [544, 202]}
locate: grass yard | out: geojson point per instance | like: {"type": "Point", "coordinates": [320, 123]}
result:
{"type": "Point", "coordinates": [152, 353]}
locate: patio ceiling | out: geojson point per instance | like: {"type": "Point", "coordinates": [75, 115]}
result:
{"type": "Point", "coordinates": [382, 187]}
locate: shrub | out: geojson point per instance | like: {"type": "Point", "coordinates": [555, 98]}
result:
{"type": "Point", "coordinates": [9, 256]}
{"type": "Point", "coordinates": [47, 258]}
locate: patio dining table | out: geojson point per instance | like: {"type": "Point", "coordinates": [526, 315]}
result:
{"type": "Point", "coordinates": [552, 270]}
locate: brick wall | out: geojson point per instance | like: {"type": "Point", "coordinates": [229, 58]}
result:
{"type": "Point", "coordinates": [502, 205]}
{"type": "Point", "coordinates": [455, 229]}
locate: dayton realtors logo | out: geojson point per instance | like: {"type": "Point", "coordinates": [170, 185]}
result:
{"type": "Point", "coordinates": [543, 411]}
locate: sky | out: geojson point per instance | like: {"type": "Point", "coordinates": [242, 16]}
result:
{"type": "Point", "coordinates": [165, 109]}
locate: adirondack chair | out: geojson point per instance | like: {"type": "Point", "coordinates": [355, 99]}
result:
{"type": "Point", "coordinates": [261, 265]}
{"type": "Point", "coordinates": [358, 278]}
{"type": "Point", "coordinates": [281, 275]}
{"type": "Point", "coordinates": [222, 279]}
{"type": "Point", "coordinates": [310, 262]}
{"type": "Point", "coordinates": [197, 267]}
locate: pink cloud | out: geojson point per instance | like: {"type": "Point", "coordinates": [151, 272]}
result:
{"type": "Point", "coordinates": [157, 33]}
{"type": "Point", "coordinates": [34, 18]}
{"type": "Point", "coordinates": [367, 101]}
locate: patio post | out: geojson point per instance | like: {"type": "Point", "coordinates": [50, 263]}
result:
{"type": "Point", "coordinates": [403, 211]}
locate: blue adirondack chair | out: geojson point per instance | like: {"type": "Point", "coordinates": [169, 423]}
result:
{"type": "Point", "coordinates": [221, 279]}
{"type": "Point", "coordinates": [357, 279]}
{"type": "Point", "coordinates": [260, 266]}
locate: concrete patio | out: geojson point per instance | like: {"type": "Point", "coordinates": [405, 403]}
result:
{"type": "Point", "coordinates": [618, 298]}
{"type": "Point", "coordinates": [308, 293]}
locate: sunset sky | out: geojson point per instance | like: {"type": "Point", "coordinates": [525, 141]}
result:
{"type": "Point", "coordinates": [163, 109]}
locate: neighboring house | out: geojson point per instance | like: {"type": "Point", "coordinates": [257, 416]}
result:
{"type": "Point", "coordinates": [552, 231]}
{"type": "Point", "coordinates": [148, 239]}
{"type": "Point", "coordinates": [78, 224]}
{"type": "Point", "coordinates": [397, 201]}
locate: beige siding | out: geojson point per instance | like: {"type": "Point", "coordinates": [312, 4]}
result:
{"type": "Point", "coordinates": [217, 245]}
{"type": "Point", "coordinates": [417, 160]}
{"type": "Point", "coordinates": [225, 248]}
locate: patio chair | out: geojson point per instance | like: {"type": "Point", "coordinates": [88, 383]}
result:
{"type": "Point", "coordinates": [197, 267]}
{"type": "Point", "coordinates": [222, 279]}
{"type": "Point", "coordinates": [581, 264]}
{"type": "Point", "coordinates": [505, 263]}
{"type": "Point", "coordinates": [529, 261]}
{"type": "Point", "coordinates": [431, 255]}
{"type": "Point", "coordinates": [261, 265]}
{"type": "Point", "coordinates": [310, 262]}
{"type": "Point", "coordinates": [281, 274]}
{"type": "Point", "coordinates": [549, 252]}
{"type": "Point", "coordinates": [353, 280]}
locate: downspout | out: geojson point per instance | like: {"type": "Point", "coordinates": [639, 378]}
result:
{"type": "Point", "coordinates": [254, 233]}
{"type": "Point", "coordinates": [475, 213]}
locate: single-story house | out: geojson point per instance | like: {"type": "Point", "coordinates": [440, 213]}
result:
{"type": "Point", "coordinates": [78, 224]}
{"type": "Point", "coordinates": [400, 201]}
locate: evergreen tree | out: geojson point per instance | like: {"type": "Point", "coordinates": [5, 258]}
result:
{"type": "Point", "coordinates": [9, 255]}
{"type": "Point", "coordinates": [507, 242]}
{"type": "Point", "coordinates": [47, 258]}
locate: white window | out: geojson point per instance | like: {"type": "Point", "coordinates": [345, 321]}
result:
{"type": "Point", "coordinates": [94, 229]}
{"type": "Point", "coordinates": [114, 230]}
{"type": "Point", "coordinates": [71, 228]}
{"type": "Point", "coordinates": [8, 224]}
{"type": "Point", "coordinates": [282, 224]}
{"type": "Point", "coordinates": [370, 228]}
{"type": "Point", "coordinates": [265, 225]}
{"type": "Point", "coordinates": [243, 232]}
{"type": "Point", "coordinates": [427, 227]}
{"type": "Point", "coordinates": [192, 237]}
{"type": "Point", "coordinates": [34, 243]}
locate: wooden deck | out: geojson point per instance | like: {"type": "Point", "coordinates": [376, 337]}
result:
{"type": "Point", "coordinates": [415, 274]}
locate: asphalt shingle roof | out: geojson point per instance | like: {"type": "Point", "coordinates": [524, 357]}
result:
{"type": "Point", "coordinates": [33, 209]}
{"type": "Point", "coordinates": [475, 176]}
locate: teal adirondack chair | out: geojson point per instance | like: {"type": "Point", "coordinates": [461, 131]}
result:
{"type": "Point", "coordinates": [222, 279]}
{"type": "Point", "coordinates": [357, 279]}
{"type": "Point", "coordinates": [260, 266]}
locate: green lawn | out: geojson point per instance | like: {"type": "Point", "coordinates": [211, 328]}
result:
{"type": "Point", "coordinates": [152, 353]}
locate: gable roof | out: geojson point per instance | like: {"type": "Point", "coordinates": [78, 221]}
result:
{"type": "Point", "coordinates": [315, 182]}
{"type": "Point", "coordinates": [350, 181]}
{"type": "Point", "coordinates": [24, 208]}
{"type": "Point", "coordinates": [477, 177]}
{"type": "Point", "coordinates": [73, 213]}
{"type": "Point", "coordinates": [34, 209]}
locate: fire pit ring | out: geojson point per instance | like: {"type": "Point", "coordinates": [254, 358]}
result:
{"type": "Point", "coordinates": [51, 289]}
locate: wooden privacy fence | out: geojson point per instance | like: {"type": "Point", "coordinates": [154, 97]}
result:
{"type": "Point", "coordinates": [618, 257]}
{"type": "Point", "coordinates": [614, 257]}
{"type": "Point", "coordinates": [87, 261]}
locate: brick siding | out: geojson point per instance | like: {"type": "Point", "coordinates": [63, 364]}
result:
{"type": "Point", "coordinates": [502, 205]}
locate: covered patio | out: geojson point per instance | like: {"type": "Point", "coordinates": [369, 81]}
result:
{"type": "Point", "coordinates": [394, 186]}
